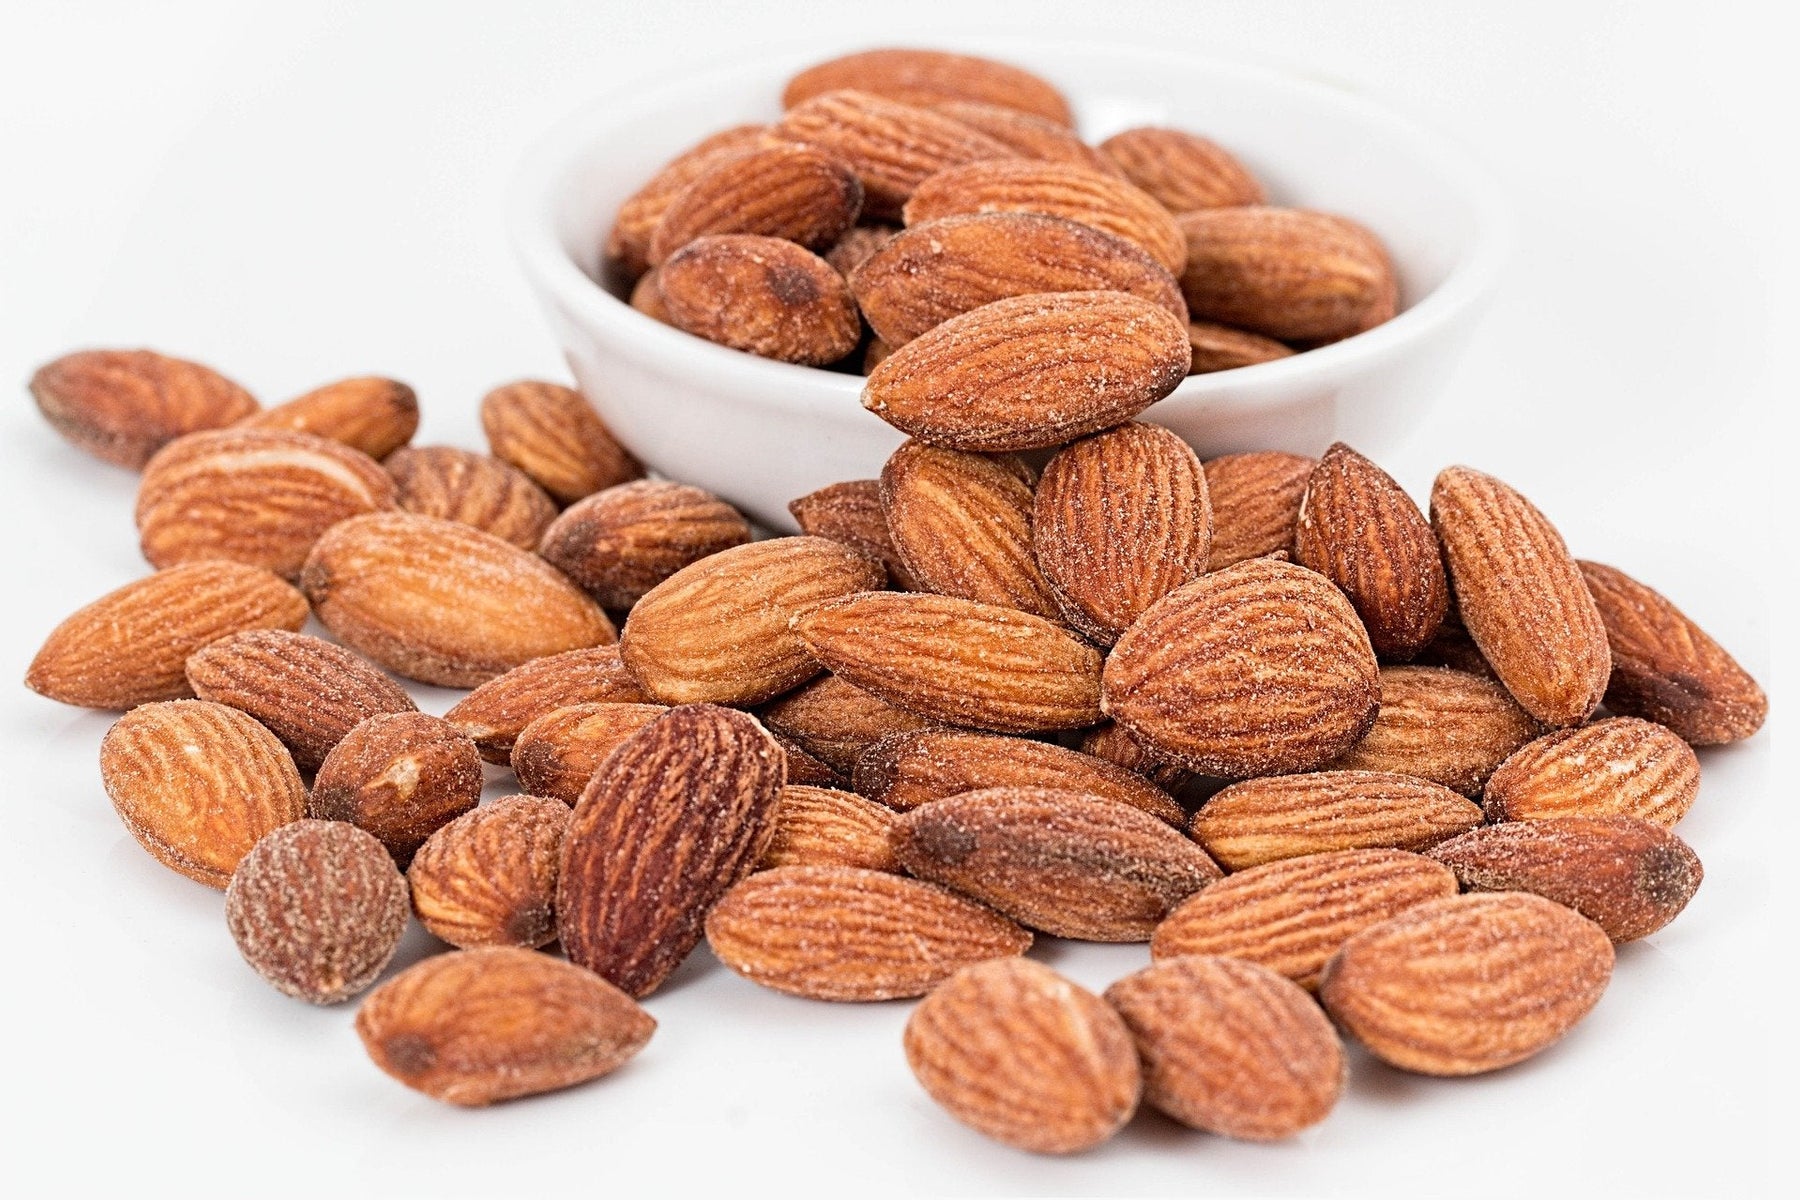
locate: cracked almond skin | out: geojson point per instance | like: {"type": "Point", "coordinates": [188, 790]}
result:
{"type": "Point", "coordinates": [368, 413]}
{"type": "Point", "coordinates": [317, 909]}
{"type": "Point", "coordinates": [198, 784]}
{"type": "Point", "coordinates": [255, 496]}
{"type": "Point", "coordinates": [1183, 171]}
{"type": "Point", "coordinates": [1360, 529]}
{"type": "Point", "coordinates": [836, 721]}
{"type": "Point", "coordinates": [553, 434]}
{"type": "Point", "coordinates": [488, 878]}
{"type": "Point", "coordinates": [309, 692]}
{"type": "Point", "coordinates": [682, 810]}
{"type": "Point", "coordinates": [1521, 596]}
{"type": "Point", "coordinates": [479, 1026]}
{"type": "Point", "coordinates": [785, 191]}
{"type": "Point", "coordinates": [131, 646]}
{"type": "Point", "coordinates": [957, 661]}
{"type": "Point", "coordinates": [1026, 135]}
{"type": "Point", "coordinates": [672, 642]}
{"type": "Point", "coordinates": [845, 933]}
{"type": "Point", "coordinates": [1029, 372]}
{"type": "Point", "coordinates": [620, 543]}
{"type": "Point", "coordinates": [1292, 915]}
{"type": "Point", "coordinates": [1258, 669]}
{"type": "Point", "coordinates": [495, 713]}
{"type": "Point", "coordinates": [1286, 273]}
{"type": "Point", "coordinates": [1667, 669]}
{"type": "Point", "coordinates": [851, 513]}
{"type": "Point", "coordinates": [1221, 348]}
{"type": "Point", "coordinates": [559, 752]}
{"type": "Point", "coordinates": [761, 295]}
{"type": "Point", "coordinates": [626, 248]}
{"type": "Point", "coordinates": [443, 602]}
{"type": "Point", "coordinates": [1448, 726]}
{"type": "Point", "coordinates": [913, 769]}
{"type": "Point", "coordinates": [401, 776]}
{"type": "Point", "coordinates": [1120, 520]}
{"type": "Point", "coordinates": [474, 489]}
{"type": "Point", "coordinates": [827, 827]}
{"type": "Point", "coordinates": [1255, 500]}
{"type": "Point", "coordinates": [927, 274]}
{"type": "Point", "coordinates": [1621, 766]}
{"type": "Point", "coordinates": [1468, 984]}
{"type": "Point", "coordinates": [125, 405]}
{"type": "Point", "coordinates": [1230, 1047]}
{"type": "Point", "coordinates": [1067, 863]}
{"type": "Point", "coordinates": [1022, 1055]}
{"type": "Point", "coordinates": [931, 77]}
{"type": "Point", "coordinates": [1289, 816]}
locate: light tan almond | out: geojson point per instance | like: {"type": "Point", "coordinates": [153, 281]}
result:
{"type": "Point", "coordinates": [826, 827]}
{"type": "Point", "coordinates": [836, 721]}
{"type": "Point", "coordinates": [627, 245]}
{"type": "Point", "coordinates": [557, 754]}
{"type": "Point", "coordinates": [1182, 170]}
{"type": "Point", "coordinates": [488, 878]}
{"type": "Point", "coordinates": [553, 434]}
{"type": "Point", "coordinates": [785, 191]}
{"type": "Point", "coordinates": [475, 489]}
{"type": "Point", "coordinates": [1290, 816]}
{"type": "Point", "coordinates": [495, 713]}
{"type": "Point", "coordinates": [368, 413]}
{"type": "Point", "coordinates": [1444, 725]}
{"type": "Point", "coordinates": [1221, 348]}
{"type": "Point", "coordinates": [620, 543]}
{"type": "Point", "coordinates": [850, 513]}
{"type": "Point", "coordinates": [125, 405]}
{"type": "Point", "coordinates": [1618, 767]}
{"type": "Point", "coordinates": [1255, 503]}
{"type": "Point", "coordinates": [930, 76]}
{"type": "Point", "coordinates": [1286, 273]}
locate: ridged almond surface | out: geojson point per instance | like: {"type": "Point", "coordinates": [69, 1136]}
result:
{"type": "Point", "coordinates": [1256, 669]}
{"type": "Point", "coordinates": [850, 512]}
{"type": "Point", "coordinates": [255, 496]}
{"type": "Point", "coordinates": [559, 752]}
{"type": "Point", "coordinates": [627, 244]}
{"type": "Point", "coordinates": [475, 489]}
{"type": "Point", "coordinates": [1107, 741]}
{"type": "Point", "coordinates": [368, 413]}
{"type": "Point", "coordinates": [1667, 669]}
{"type": "Point", "coordinates": [1255, 501]}
{"type": "Point", "coordinates": [131, 646]}
{"type": "Point", "coordinates": [1018, 1053]}
{"type": "Point", "coordinates": [1622, 766]}
{"type": "Point", "coordinates": [785, 191]}
{"type": "Point", "coordinates": [1230, 1047]}
{"type": "Point", "coordinates": [1184, 171]}
{"type": "Point", "coordinates": [553, 434]}
{"type": "Point", "coordinates": [1026, 135]}
{"type": "Point", "coordinates": [682, 810]}
{"type": "Point", "coordinates": [495, 713]}
{"type": "Point", "coordinates": [1218, 347]}
{"type": "Point", "coordinates": [836, 721]}
{"type": "Point", "coordinates": [198, 784]}
{"type": "Point", "coordinates": [1289, 816]}
{"type": "Point", "coordinates": [479, 1026]}
{"type": "Point", "coordinates": [488, 878]}
{"type": "Point", "coordinates": [1444, 725]}
{"type": "Point", "coordinates": [844, 933]}
{"type": "Point", "coordinates": [825, 827]}
{"type": "Point", "coordinates": [1070, 864]}
{"type": "Point", "coordinates": [762, 295]}
{"type": "Point", "coordinates": [620, 543]}
{"type": "Point", "coordinates": [401, 776]}
{"type": "Point", "coordinates": [125, 405]}
{"type": "Point", "coordinates": [1286, 273]}
{"type": "Point", "coordinates": [1521, 596]}
{"type": "Point", "coordinates": [1292, 915]}
{"type": "Point", "coordinates": [1031, 371]}
{"type": "Point", "coordinates": [929, 76]}
{"type": "Point", "coordinates": [803, 768]}
{"type": "Point", "coordinates": [1468, 984]}
{"type": "Point", "coordinates": [957, 661]}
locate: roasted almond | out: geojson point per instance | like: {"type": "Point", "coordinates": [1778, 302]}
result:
{"type": "Point", "coordinates": [836, 721]}
{"type": "Point", "coordinates": [475, 489]}
{"type": "Point", "coordinates": [647, 298]}
{"type": "Point", "coordinates": [1289, 816]}
{"type": "Point", "coordinates": [803, 768]}
{"type": "Point", "coordinates": [559, 752]}
{"type": "Point", "coordinates": [1182, 170]}
{"type": "Point", "coordinates": [488, 878]}
{"type": "Point", "coordinates": [850, 512]}
{"type": "Point", "coordinates": [495, 713]}
{"type": "Point", "coordinates": [553, 434]}
{"type": "Point", "coordinates": [1025, 134]}
{"type": "Point", "coordinates": [401, 776]}
{"type": "Point", "coordinates": [368, 413]}
{"type": "Point", "coordinates": [1447, 726]}
{"type": "Point", "coordinates": [620, 543]}
{"type": "Point", "coordinates": [1107, 741]}
{"type": "Point", "coordinates": [1286, 273]}
{"type": "Point", "coordinates": [762, 295]}
{"type": "Point", "coordinates": [627, 245]}
{"type": "Point", "coordinates": [930, 76]}
{"type": "Point", "coordinates": [1618, 767]}
{"type": "Point", "coordinates": [1218, 347]}
{"type": "Point", "coordinates": [825, 827]}
{"type": "Point", "coordinates": [784, 191]}
{"type": "Point", "coordinates": [854, 248]}
{"type": "Point", "coordinates": [1255, 501]}
{"type": "Point", "coordinates": [125, 405]}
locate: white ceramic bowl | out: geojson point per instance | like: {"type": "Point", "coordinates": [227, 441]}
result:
{"type": "Point", "coordinates": [760, 433]}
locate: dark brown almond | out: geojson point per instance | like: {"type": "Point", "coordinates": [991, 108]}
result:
{"type": "Point", "coordinates": [850, 513]}
{"type": "Point", "coordinates": [761, 295]}
{"type": "Point", "coordinates": [785, 191]}
{"type": "Point", "coordinates": [553, 434]}
{"type": "Point", "coordinates": [803, 768]}
{"type": "Point", "coordinates": [825, 827]}
{"type": "Point", "coordinates": [125, 405]}
{"type": "Point", "coordinates": [559, 752]}
{"type": "Point", "coordinates": [836, 721]}
{"type": "Point", "coordinates": [1255, 501]}
{"type": "Point", "coordinates": [1447, 726]}
{"type": "Point", "coordinates": [1618, 767]}
{"type": "Point", "coordinates": [1289, 816]}
{"type": "Point", "coordinates": [495, 713]}
{"type": "Point", "coordinates": [475, 489]}
{"type": "Point", "coordinates": [854, 248]}
{"type": "Point", "coordinates": [368, 413]}
{"type": "Point", "coordinates": [627, 245]}
{"type": "Point", "coordinates": [1286, 273]}
{"type": "Point", "coordinates": [1182, 170]}
{"type": "Point", "coordinates": [402, 777]}
{"type": "Point", "coordinates": [1026, 135]}
{"type": "Point", "coordinates": [1107, 741]}
{"type": "Point", "coordinates": [930, 76]}
{"type": "Point", "coordinates": [1222, 348]}
{"type": "Point", "coordinates": [620, 543]}
{"type": "Point", "coordinates": [1453, 647]}
{"type": "Point", "coordinates": [488, 878]}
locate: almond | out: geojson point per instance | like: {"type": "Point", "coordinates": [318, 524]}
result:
{"type": "Point", "coordinates": [1256, 669]}
{"type": "Point", "coordinates": [627, 245]}
{"type": "Point", "coordinates": [929, 76]}
{"type": "Point", "coordinates": [1005, 377]}
{"type": "Point", "coordinates": [1521, 596]}
{"type": "Point", "coordinates": [1221, 348]}
{"type": "Point", "coordinates": [198, 784]}
{"type": "Point", "coordinates": [1026, 135]}
{"type": "Point", "coordinates": [559, 752]}
{"type": "Point", "coordinates": [401, 776]}
{"type": "Point", "coordinates": [1182, 170]}
{"type": "Point", "coordinates": [488, 878]}
{"type": "Point", "coordinates": [620, 543]}
{"type": "Point", "coordinates": [836, 721]}
{"type": "Point", "coordinates": [1447, 726]}
{"type": "Point", "coordinates": [785, 191]}
{"type": "Point", "coordinates": [1230, 1047]}
{"type": "Point", "coordinates": [253, 496]}
{"type": "Point", "coordinates": [647, 298]}
{"type": "Point", "coordinates": [1020, 1054]}
{"type": "Point", "coordinates": [1468, 984]}
{"type": "Point", "coordinates": [1286, 273]}
{"type": "Point", "coordinates": [495, 713]}
{"type": "Point", "coordinates": [483, 1025]}
{"type": "Point", "coordinates": [681, 811]}
{"type": "Point", "coordinates": [825, 827]}
{"type": "Point", "coordinates": [317, 909]}
{"type": "Point", "coordinates": [1667, 669]}
{"type": "Point", "coordinates": [131, 646]}
{"type": "Point", "coordinates": [475, 489]}
{"type": "Point", "coordinates": [957, 661]}
{"type": "Point", "coordinates": [803, 768]}
{"type": "Point", "coordinates": [308, 692]}
{"type": "Point", "coordinates": [1453, 647]}
{"type": "Point", "coordinates": [850, 513]}
{"type": "Point", "coordinates": [1107, 741]}
{"type": "Point", "coordinates": [1255, 501]}
{"type": "Point", "coordinates": [1292, 915]}
{"type": "Point", "coordinates": [854, 248]}
{"type": "Point", "coordinates": [761, 295]}
{"type": "Point", "coordinates": [368, 413]}
{"type": "Point", "coordinates": [442, 602]}
{"type": "Point", "coordinates": [842, 933]}
{"type": "Point", "coordinates": [1288, 816]}
{"type": "Point", "coordinates": [1617, 767]}
{"type": "Point", "coordinates": [553, 434]}
{"type": "Point", "coordinates": [125, 405]}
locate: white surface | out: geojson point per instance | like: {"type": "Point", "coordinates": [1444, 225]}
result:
{"type": "Point", "coordinates": [304, 194]}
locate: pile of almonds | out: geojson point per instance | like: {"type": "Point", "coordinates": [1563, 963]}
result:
{"type": "Point", "coordinates": [1346, 767]}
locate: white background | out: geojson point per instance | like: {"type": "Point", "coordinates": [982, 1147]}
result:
{"type": "Point", "coordinates": [301, 193]}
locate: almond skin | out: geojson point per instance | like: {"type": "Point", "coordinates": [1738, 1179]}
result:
{"type": "Point", "coordinates": [803, 768]}
{"type": "Point", "coordinates": [786, 191]}
{"type": "Point", "coordinates": [1447, 726]}
{"type": "Point", "coordinates": [836, 721]}
{"type": "Point", "coordinates": [679, 812]}
{"type": "Point", "coordinates": [402, 777]}
{"type": "Point", "coordinates": [198, 784]}
{"type": "Point", "coordinates": [1667, 669]}
{"type": "Point", "coordinates": [488, 878]}
{"type": "Point", "coordinates": [1120, 520]}
{"type": "Point", "coordinates": [480, 1026]}
{"type": "Point", "coordinates": [851, 513]}
{"type": "Point", "coordinates": [930, 76]}
{"type": "Point", "coordinates": [1069, 864]}
{"type": "Point", "coordinates": [1521, 596]}
{"type": "Point", "coordinates": [1286, 273]}
{"type": "Point", "coordinates": [553, 434]}
{"type": "Point", "coordinates": [131, 646]}
{"type": "Point", "coordinates": [125, 405]}
{"type": "Point", "coordinates": [1260, 668]}
{"type": "Point", "coordinates": [1292, 915]}
{"type": "Point", "coordinates": [1255, 501]}
{"type": "Point", "coordinates": [627, 246]}
{"type": "Point", "coordinates": [1221, 348]}
{"type": "Point", "coordinates": [1107, 741]}
{"type": "Point", "coordinates": [825, 827]}
{"type": "Point", "coordinates": [253, 496]}
{"type": "Point", "coordinates": [1018, 1053]}
{"type": "Point", "coordinates": [1468, 984]}
{"type": "Point", "coordinates": [1289, 816]}
{"type": "Point", "coordinates": [309, 692]}
{"type": "Point", "coordinates": [957, 661]}
{"type": "Point", "coordinates": [443, 602]}
{"type": "Point", "coordinates": [853, 249]}
{"type": "Point", "coordinates": [647, 298]}
{"type": "Point", "coordinates": [1003, 377]}
{"type": "Point", "coordinates": [1182, 170]}
{"type": "Point", "coordinates": [842, 933]}
{"type": "Point", "coordinates": [1230, 1047]}
{"type": "Point", "coordinates": [761, 295]}
{"type": "Point", "coordinates": [672, 641]}
{"type": "Point", "coordinates": [368, 413]}
{"type": "Point", "coordinates": [1617, 767]}
{"type": "Point", "coordinates": [620, 543]}
{"type": "Point", "coordinates": [475, 489]}
{"type": "Point", "coordinates": [1026, 135]}
{"type": "Point", "coordinates": [495, 713]}
{"type": "Point", "coordinates": [559, 752]}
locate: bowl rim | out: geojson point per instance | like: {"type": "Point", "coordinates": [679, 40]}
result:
{"type": "Point", "coordinates": [540, 177]}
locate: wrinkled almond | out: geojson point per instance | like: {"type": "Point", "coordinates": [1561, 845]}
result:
{"type": "Point", "coordinates": [621, 542]}
{"type": "Point", "coordinates": [929, 76]}
{"type": "Point", "coordinates": [1286, 273]}
{"type": "Point", "coordinates": [785, 191]}
{"type": "Point", "coordinates": [850, 512]}
{"type": "Point", "coordinates": [1255, 501]}
{"type": "Point", "coordinates": [1618, 767]}
{"type": "Point", "coordinates": [495, 713]}
{"type": "Point", "coordinates": [762, 295]}
{"type": "Point", "coordinates": [401, 776]}
{"type": "Point", "coordinates": [559, 752]}
{"type": "Point", "coordinates": [836, 721]}
{"type": "Point", "coordinates": [1288, 816]}
{"type": "Point", "coordinates": [825, 827]}
{"type": "Point", "coordinates": [1182, 170]}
